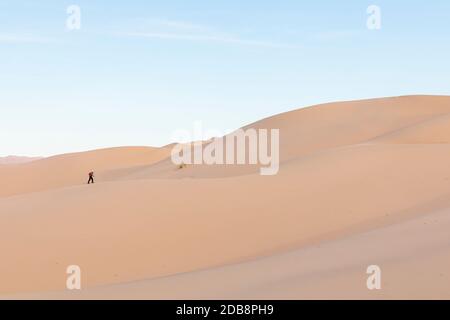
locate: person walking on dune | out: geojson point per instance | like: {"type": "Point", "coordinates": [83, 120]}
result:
{"type": "Point", "coordinates": [91, 177]}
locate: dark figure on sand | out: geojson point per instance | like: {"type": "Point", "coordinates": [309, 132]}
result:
{"type": "Point", "coordinates": [91, 177]}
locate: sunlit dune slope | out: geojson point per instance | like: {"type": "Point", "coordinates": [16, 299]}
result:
{"type": "Point", "coordinates": [72, 169]}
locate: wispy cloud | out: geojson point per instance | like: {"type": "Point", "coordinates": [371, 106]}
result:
{"type": "Point", "coordinates": [164, 29]}
{"type": "Point", "coordinates": [336, 35]}
{"type": "Point", "coordinates": [179, 25]}
{"type": "Point", "coordinates": [23, 38]}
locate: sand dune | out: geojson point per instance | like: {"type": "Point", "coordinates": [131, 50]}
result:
{"type": "Point", "coordinates": [415, 266]}
{"type": "Point", "coordinates": [310, 130]}
{"type": "Point", "coordinates": [434, 130]}
{"type": "Point", "coordinates": [363, 182]}
{"type": "Point", "coordinates": [72, 169]}
{"type": "Point", "coordinates": [9, 160]}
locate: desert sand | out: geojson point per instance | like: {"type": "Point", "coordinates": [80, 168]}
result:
{"type": "Point", "coordinates": [17, 159]}
{"type": "Point", "coordinates": [360, 183]}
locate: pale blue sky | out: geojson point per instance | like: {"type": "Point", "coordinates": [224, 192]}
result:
{"type": "Point", "coordinates": [138, 70]}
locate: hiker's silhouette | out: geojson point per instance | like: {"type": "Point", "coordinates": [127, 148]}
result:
{"type": "Point", "coordinates": [91, 177]}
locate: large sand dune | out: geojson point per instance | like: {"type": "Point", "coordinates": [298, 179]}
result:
{"type": "Point", "coordinates": [72, 169]}
{"type": "Point", "coordinates": [360, 183]}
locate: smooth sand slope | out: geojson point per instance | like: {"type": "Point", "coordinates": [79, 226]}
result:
{"type": "Point", "coordinates": [361, 183]}
{"type": "Point", "coordinates": [72, 169]}
{"type": "Point", "coordinates": [17, 160]}
{"type": "Point", "coordinates": [414, 266]}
